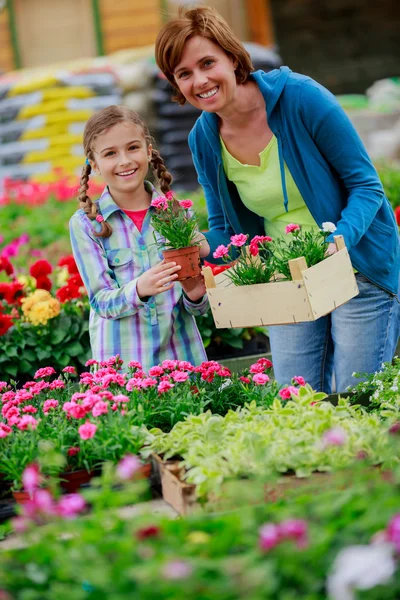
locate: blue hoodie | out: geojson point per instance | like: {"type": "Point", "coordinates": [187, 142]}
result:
{"type": "Point", "coordinates": [328, 163]}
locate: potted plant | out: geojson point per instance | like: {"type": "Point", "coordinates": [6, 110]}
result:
{"type": "Point", "coordinates": [177, 230]}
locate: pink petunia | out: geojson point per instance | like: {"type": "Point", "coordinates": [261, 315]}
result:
{"type": "Point", "coordinates": [186, 204]}
{"type": "Point", "coordinates": [221, 251]}
{"type": "Point", "coordinates": [87, 430]}
{"type": "Point", "coordinates": [239, 240]}
{"type": "Point", "coordinates": [292, 227]}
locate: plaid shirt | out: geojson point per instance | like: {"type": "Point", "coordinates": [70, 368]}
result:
{"type": "Point", "coordinates": [120, 322]}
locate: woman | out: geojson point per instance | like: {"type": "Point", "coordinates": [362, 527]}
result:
{"type": "Point", "coordinates": [275, 148]}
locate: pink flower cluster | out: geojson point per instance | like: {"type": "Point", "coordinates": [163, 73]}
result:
{"type": "Point", "coordinates": [271, 534]}
{"type": "Point", "coordinates": [237, 240]}
{"type": "Point", "coordinates": [41, 506]}
{"type": "Point", "coordinates": [258, 241]}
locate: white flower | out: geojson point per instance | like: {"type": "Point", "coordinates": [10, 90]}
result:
{"type": "Point", "coordinates": [328, 227]}
{"type": "Point", "coordinates": [360, 568]}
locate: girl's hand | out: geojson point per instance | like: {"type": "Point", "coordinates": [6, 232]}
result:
{"type": "Point", "coordinates": [331, 249]}
{"type": "Point", "coordinates": [194, 288]}
{"type": "Point", "coordinates": [158, 279]}
{"type": "Point", "coordinates": [204, 245]}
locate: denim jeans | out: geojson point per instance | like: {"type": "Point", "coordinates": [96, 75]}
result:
{"type": "Point", "coordinates": [355, 338]}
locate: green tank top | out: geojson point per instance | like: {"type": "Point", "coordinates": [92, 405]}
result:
{"type": "Point", "coordinates": [260, 189]}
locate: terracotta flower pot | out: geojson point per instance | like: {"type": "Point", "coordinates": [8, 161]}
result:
{"type": "Point", "coordinates": [21, 496]}
{"type": "Point", "coordinates": [188, 258]}
{"type": "Point", "coordinates": [71, 481]}
{"type": "Point", "coordinates": [144, 472]}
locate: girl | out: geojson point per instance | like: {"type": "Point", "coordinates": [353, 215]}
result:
{"type": "Point", "coordinates": [137, 310]}
{"type": "Point", "coordinates": [276, 148]}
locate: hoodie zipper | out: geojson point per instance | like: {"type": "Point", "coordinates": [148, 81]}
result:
{"type": "Point", "coordinates": [282, 170]}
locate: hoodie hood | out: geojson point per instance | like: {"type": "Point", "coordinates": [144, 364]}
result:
{"type": "Point", "coordinates": [271, 85]}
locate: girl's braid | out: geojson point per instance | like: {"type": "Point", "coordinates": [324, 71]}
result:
{"type": "Point", "coordinates": [160, 171]}
{"type": "Point", "coordinates": [88, 206]}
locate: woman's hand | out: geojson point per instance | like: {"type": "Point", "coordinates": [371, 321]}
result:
{"type": "Point", "coordinates": [204, 245]}
{"type": "Point", "coordinates": [331, 249]}
{"type": "Point", "coordinates": [194, 288]}
{"type": "Point", "coordinates": [158, 279]}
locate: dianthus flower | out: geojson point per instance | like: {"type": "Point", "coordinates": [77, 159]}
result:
{"type": "Point", "coordinates": [44, 372]}
{"type": "Point", "coordinates": [238, 240]}
{"type": "Point", "coordinates": [179, 376]}
{"type": "Point", "coordinates": [70, 370]}
{"type": "Point", "coordinates": [100, 408]}
{"type": "Point", "coordinates": [26, 422]}
{"type": "Point", "coordinates": [164, 386]}
{"type": "Point", "coordinates": [156, 371]}
{"type": "Point", "coordinates": [87, 430]}
{"type": "Point", "coordinates": [260, 378]}
{"type": "Point", "coordinates": [49, 404]}
{"type": "Point", "coordinates": [5, 430]}
{"type": "Point", "coordinates": [221, 251]}
{"type": "Point", "coordinates": [292, 227]}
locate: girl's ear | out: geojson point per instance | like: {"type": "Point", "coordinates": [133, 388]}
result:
{"type": "Point", "coordinates": [94, 166]}
{"type": "Point", "coordinates": [149, 151]}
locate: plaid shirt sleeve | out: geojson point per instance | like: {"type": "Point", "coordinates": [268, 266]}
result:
{"type": "Point", "coordinates": [196, 308]}
{"type": "Point", "coordinates": [106, 298]}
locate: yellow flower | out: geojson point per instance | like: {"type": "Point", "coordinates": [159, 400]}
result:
{"type": "Point", "coordinates": [198, 537]}
{"type": "Point", "coordinates": [27, 281]}
{"type": "Point", "coordinates": [61, 276]}
{"type": "Point", "coordinates": [39, 307]}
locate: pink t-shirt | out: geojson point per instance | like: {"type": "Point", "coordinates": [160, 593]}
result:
{"type": "Point", "coordinates": [137, 216]}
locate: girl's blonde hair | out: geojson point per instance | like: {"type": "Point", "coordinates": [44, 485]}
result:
{"type": "Point", "coordinates": [99, 123]}
{"type": "Point", "coordinates": [203, 21]}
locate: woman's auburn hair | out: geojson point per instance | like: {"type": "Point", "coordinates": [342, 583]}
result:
{"type": "Point", "coordinates": [205, 22]}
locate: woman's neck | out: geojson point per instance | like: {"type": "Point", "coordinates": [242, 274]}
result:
{"type": "Point", "coordinates": [140, 199]}
{"type": "Point", "coordinates": [248, 102]}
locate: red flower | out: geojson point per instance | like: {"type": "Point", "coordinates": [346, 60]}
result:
{"type": "Point", "coordinates": [67, 292]}
{"type": "Point", "coordinates": [75, 280]}
{"type": "Point", "coordinates": [11, 292]}
{"type": "Point", "coordinates": [69, 262]}
{"type": "Point", "coordinates": [73, 450]}
{"type": "Point", "coordinates": [397, 215]}
{"type": "Point", "coordinates": [43, 283]}
{"type": "Point", "coordinates": [148, 532]}
{"type": "Point", "coordinates": [5, 323]}
{"type": "Point", "coordinates": [40, 268]}
{"type": "Point", "coordinates": [6, 266]}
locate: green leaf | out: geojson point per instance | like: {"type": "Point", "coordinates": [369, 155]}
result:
{"type": "Point", "coordinates": [58, 336]}
{"type": "Point", "coordinates": [11, 370]}
{"type": "Point", "coordinates": [74, 349]}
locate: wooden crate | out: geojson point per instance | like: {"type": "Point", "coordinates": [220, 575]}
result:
{"type": "Point", "coordinates": [313, 293]}
{"type": "Point", "coordinates": [178, 494]}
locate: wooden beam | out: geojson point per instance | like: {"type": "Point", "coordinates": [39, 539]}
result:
{"type": "Point", "coordinates": [260, 23]}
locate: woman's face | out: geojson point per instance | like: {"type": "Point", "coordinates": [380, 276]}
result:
{"type": "Point", "coordinates": [206, 75]}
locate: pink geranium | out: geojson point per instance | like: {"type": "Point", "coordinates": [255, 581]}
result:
{"type": "Point", "coordinates": [292, 227]}
{"type": "Point", "coordinates": [87, 430]}
{"type": "Point", "coordinates": [221, 251]}
{"type": "Point", "coordinates": [128, 466]}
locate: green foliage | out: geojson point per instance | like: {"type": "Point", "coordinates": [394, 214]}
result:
{"type": "Point", "coordinates": [176, 225]}
{"type": "Point", "coordinates": [309, 244]}
{"type": "Point", "coordinates": [63, 341]}
{"type": "Point", "coordinates": [382, 388]}
{"type": "Point", "coordinates": [390, 177]}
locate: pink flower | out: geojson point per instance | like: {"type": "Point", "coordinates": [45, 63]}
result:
{"type": "Point", "coordinates": [179, 376]}
{"type": "Point", "coordinates": [57, 384]}
{"type": "Point", "coordinates": [295, 529]}
{"type": "Point", "coordinates": [100, 408]}
{"type": "Point", "coordinates": [177, 569]}
{"type": "Point", "coordinates": [169, 365]}
{"type": "Point", "coordinates": [156, 371]}
{"type": "Point", "coordinates": [160, 202]}
{"type": "Point", "coordinates": [70, 370]}
{"type": "Point", "coordinates": [134, 364]}
{"type": "Point", "coordinates": [70, 505]}
{"type": "Point", "coordinates": [29, 409]}
{"type": "Point", "coordinates": [269, 537]}
{"type": "Point", "coordinates": [169, 195]}
{"type": "Point", "coordinates": [73, 450]}
{"type": "Point", "coordinates": [128, 466]}
{"type": "Point", "coordinates": [285, 393]}
{"type": "Point", "coordinates": [293, 390]}
{"type": "Point", "coordinates": [87, 430]}
{"type": "Point", "coordinates": [149, 382]}
{"type": "Point", "coordinates": [221, 251]}
{"type": "Point", "coordinates": [334, 437]}
{"type": "Point", "coordinates": [120, 398]}
{"type": "Point", "coordinates": [135, 383]}
{"type": "Point", "coordinates": [184, 365]}
{"type": "Point", "coordinates": [91, 362]}
{"type": "Point", "coordinates": [393, 531]}
{"type": "Point", "coordinates": [292, 227]}
{"type": "Point", "coordinates": [260, 379]}
{"type": "Point", "coordinates": [45, 372]}
{"type": "Point", "coordinates": [3, 385]}
{"type": "Point", "coordinates": [77, 411]}
{"type": "Point", "coordinates": [299, 380]}
{"type": "Point", "coordinates": [5, 430]}
{"type": "Point", "coordinates": [239, 240]}
{"type": "Point", "coordinates": [164, 386]}
{"type": "Point", "coordinates": [27, 421]}
{"type": "Point", "coordinates": [186, 204]}
{"type": "Point", "coordinates": [31, 478]}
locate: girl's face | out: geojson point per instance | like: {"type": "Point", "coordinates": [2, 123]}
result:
{"type": "Point", "coordinates": [206, 75]}
{"type": "Point", "coordinates": [121, 156]}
